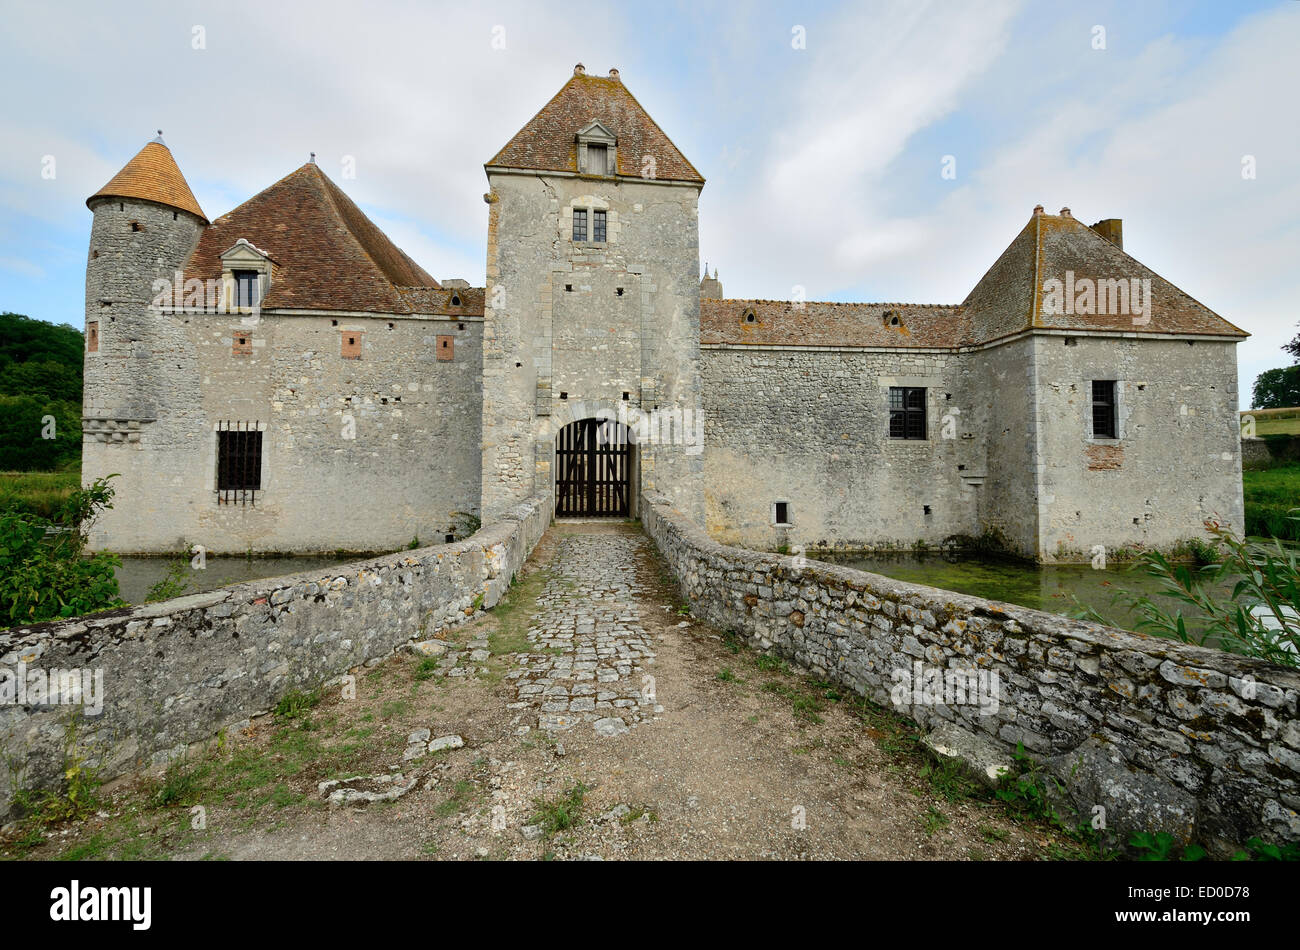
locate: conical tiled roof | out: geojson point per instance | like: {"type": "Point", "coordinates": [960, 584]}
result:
{"type": "Point", "coordinates": [326, 254]}
{"type": "Point", "coordinates": [152, 176]}
{"type": "Point", "coordinates": [549, 141]}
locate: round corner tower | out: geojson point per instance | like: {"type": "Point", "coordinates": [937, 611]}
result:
{"type": "Point", "coordinates": [137, 368]}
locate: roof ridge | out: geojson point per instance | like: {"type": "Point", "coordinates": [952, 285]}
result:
{"type": "Point", "coordinates": [660, 129]}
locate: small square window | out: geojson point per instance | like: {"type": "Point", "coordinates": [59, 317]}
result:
{"type": "Point", "coordinates": [598, 226]}
{"type": "Point", "coordinates": [446, 348]}
{"type": "Point", "coordinates": [580, 224]}
{"type": "Point", "coordinates": [1103, 409]}
{"type": "Point", "coordinates": [907, 413]}
{"type": "Point", "coordinates": [242, 346]}
{"type": "Point", "coordinates": [351, 344]}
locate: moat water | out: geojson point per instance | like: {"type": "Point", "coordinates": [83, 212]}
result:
{"type": "Point", "coordinates": [1056, 588]}
{"type": "Point", "coordinates": [1063, 589]}
{"type": "Point", "coordinates": [138, 574]}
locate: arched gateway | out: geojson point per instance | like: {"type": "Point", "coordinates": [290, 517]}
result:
{"type": "Point", "coordinates": [594, 470]}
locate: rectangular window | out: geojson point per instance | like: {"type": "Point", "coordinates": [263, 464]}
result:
{"type": "Point", "coordinates": [92, 336]}
{"type": "Point", "coordinates": [906, 412]}
{"type": "Point", "coordinates": [247, 288]}
{"type": "Point", "coordinates": [239, 464]}
{"type": "Point", "coordinates": [781, 512]}
{"type": "Point", "coordinates": [598, 226]}
{"type": "Point", "coordinates": [351, 345]}
{"type": "Point", "coordinates": [1103, 409]}
{"type": "Point", "coordinates": [597, 160]}
{"type": "Point", "coordinates": [580, 224]}
{"type": "Point", "coordinates": [446, 348]}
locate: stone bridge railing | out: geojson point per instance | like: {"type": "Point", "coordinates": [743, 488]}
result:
{"type": "Point", "coordinates": [1163, 736]}
{"type": "Point", "coordinates": [176, 672]}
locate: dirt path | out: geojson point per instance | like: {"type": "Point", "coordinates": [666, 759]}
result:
{"type": "Point", "coordinates": [598, 721]}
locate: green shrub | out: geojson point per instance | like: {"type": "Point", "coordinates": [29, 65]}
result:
{"type": "Point", "coordinates": [44, 572]}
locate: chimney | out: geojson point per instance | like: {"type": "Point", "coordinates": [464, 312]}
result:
{"type": "Point", "coordinates": [1112, 229]}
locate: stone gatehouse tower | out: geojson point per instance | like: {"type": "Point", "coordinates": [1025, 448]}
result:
{"type": "Point", "coordinates": [592, 296]}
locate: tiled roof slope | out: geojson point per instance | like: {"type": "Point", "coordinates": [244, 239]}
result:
{"type": "Point", "coordinates": [438, 300]}
{"type": "Point", "coordinates": [779, 323]}
{"type": "Point", "coordinates": [1067, 244]}
{"type": "Point", "coordinates": [152, 176]}
{"type": "Point", "coordinates": [1008, 299]}
{"type": "Point", "coordinates": [327, 254]}
{"type": "Point", "coordinates": [549, 141]}
{"type": "Point", "coordinates": [1011, 297]}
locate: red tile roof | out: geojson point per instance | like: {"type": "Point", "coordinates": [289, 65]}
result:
{"type": "Point", "coordinates": [152, 175]}
{"type": "Point", "coordinates": [548, 142]}
{"type": "Point", "coordinates": [783, 323]}
{"type": "Point", "coordinates": [327, 254]}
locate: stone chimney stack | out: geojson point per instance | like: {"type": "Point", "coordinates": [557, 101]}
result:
{"type": "Point", "coordinates": [1112, 229]}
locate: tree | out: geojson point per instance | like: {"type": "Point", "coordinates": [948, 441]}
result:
{"type": "Point", "coordinates": [1277, 388]}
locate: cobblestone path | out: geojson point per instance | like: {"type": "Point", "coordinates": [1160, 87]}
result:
{"type": "Point", "coordinates": [592, 652]}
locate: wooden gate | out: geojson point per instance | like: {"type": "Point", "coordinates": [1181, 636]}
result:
{"type": "Point", "coordinates": [593, 474]}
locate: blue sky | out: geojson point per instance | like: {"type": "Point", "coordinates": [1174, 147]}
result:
{"type": "Point", "coordinates": [823, 163]}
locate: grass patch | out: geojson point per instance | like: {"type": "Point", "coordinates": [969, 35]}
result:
{"type": "Point", "coordinates": [37, 493]}
{"type": "Point", "coordinates": [561, 813]}
{"type": "Point", "coordinates": [462, 794]}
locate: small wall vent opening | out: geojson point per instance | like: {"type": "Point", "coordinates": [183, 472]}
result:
{"type": "Point", "coordinates": [564, 395]}
{"type": "Point", "coordinates": [449, 539]}
{"type": "Point", "coordinates": [926, 509]}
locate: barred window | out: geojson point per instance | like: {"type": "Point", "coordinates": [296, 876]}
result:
{"type": "Point", "coordinates": [580, 224]}
{"type": "Point", "coordinates": [239, 463]}
{"type": "Point", "coordinates": [906, 412]}
{"type": "Point", "coordinates": [598, 225]}
{"type": "Point", "coordinates": [1103, 409]}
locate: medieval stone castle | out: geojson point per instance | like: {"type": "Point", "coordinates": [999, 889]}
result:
{"type": "Point", "coordinates": [285, 379]}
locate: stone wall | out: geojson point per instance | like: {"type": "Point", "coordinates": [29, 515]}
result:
{"type": "Point", "coordinates": [178, 671]}
{"type": "Point", "coordinates": [1008, 452]}
{"type": "Point", "coordinates": [1164, 736]}
{"type": "Point", "coordinates": [809, 426]}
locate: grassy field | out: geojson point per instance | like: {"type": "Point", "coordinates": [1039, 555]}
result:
{"type": "Point", "coordinates": [1270, 494]}
{"type": "Point", "coordinates": [1274, 421]}
{"type": "Point", "coordinates": [39, 493]}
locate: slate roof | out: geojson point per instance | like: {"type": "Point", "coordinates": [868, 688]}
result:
{"type": "Point", "coordinates": [548, 142]}
{"type": "Point", "coordinates": [152, 175]}
{"type": "Point", "coordinates": [326, 254]}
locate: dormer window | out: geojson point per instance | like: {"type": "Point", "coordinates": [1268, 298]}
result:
{"type": "Point", "coordinates": [596, 150]}
{"type": "Point", "coordinates": [248, 290]}
{"type": "Point", "coordinates": [455, 300]}
{"type": "Point", "coordinates": [246, 276]}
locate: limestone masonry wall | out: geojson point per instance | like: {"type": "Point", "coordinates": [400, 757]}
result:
{"type": "Point", "coordinates": [1164, 736]}
{"type": "Point", "coordinates": [178, 671]}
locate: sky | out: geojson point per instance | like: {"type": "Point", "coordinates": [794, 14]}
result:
{"type": "Point", "coordinates": [823, 130]}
